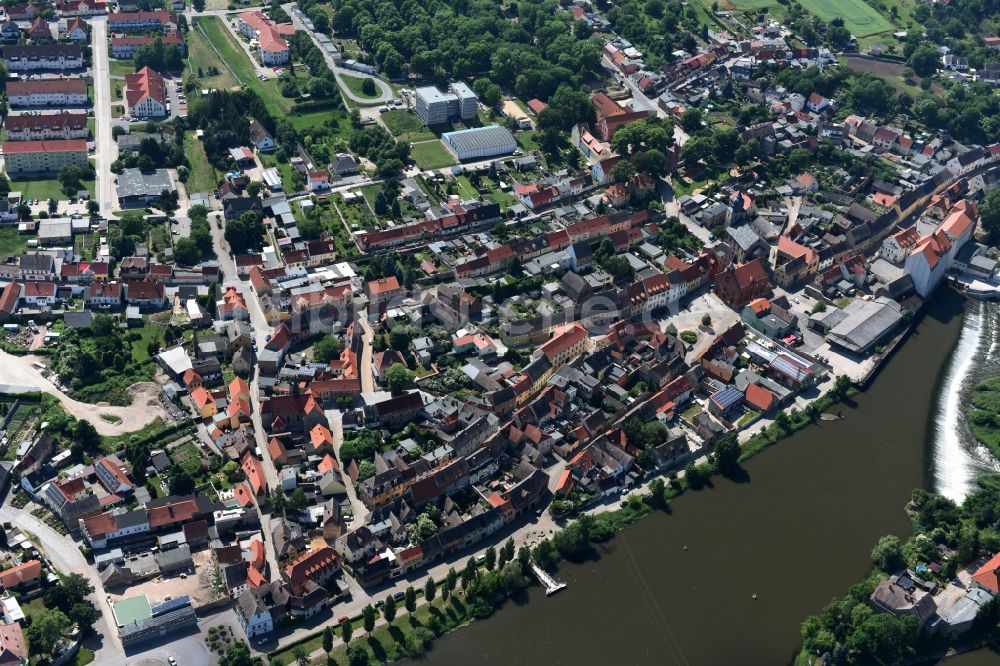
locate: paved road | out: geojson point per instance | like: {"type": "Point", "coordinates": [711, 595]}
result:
{"type": "Point", "coordinates": [64, 555]}
{"type": "Point", "coordinates": [106, 149]}
{"type": "Point", "coordinates": [367, 378]}
{"type": "Point", "coordinates": [358, 508]}
{"type": "Point", "coordinates": [385, 92]}
{"type": "Point", "coordinates": [143, 411]}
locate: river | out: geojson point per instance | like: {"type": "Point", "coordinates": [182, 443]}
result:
{"type": "Point", "coordinates": [679, 588]}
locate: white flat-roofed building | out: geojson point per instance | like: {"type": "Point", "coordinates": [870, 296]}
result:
{"type": "Point", "coordinates": [480, 142]}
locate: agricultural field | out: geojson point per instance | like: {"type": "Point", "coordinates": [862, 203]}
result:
{"type": "Point", "coordinates": [431, 155]}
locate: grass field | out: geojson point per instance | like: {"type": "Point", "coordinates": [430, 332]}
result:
{"type": "Point", "coordinates": [120, 67]}
{"type": "Point", "coordinates": [203, 177]}
{"type": "Point", "coordinates": [44, 189]}
{"type": "Point", "coordinates": [201, 55]}
{"type": "Point", "coordinates": [236, 58]}
{"type": "Point", "coordinates": [745, 5]}
{"type": "Point", "coordinates": [859, 17]}
{"type": "Point", "coordinates": [12, 243]}
{"type": "Point", "coordinates": [432, 155]}
{"type": "Point", "coordinates": [406, 126]}
{"type": "Point", "coordinates": [354, 84]}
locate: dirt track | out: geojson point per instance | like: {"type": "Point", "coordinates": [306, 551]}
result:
{"type": "Point", "coordinates": [143, 410]}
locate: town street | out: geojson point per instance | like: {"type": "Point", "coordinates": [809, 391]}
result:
{"type": "Point", "coordinates": [63, 554]}
{"type": "Point", "coordinates": [105, 146]}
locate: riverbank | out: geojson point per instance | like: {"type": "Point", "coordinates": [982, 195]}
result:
{"type": "Point", "coordinates": [415, 632]}
{"type": "Point", "coordinates": [745, 556]}
{"type": "Point", "coordinates": [947, 545]}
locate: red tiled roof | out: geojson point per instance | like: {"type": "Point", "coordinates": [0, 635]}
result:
{"type": "Point", "coordinates": [310, 564]}
{"type": "Point", "coordinates": [8, 301]}
{"type": "Point", "coordinates": [22, 573]}
{"type": "Point", "coordinates": [47, 86]}
{"type": "Point", "coordinates": [383, 285]}
{"type": "Point", "coordinates": [145, 83]}
{"type": "Point", "coordinates": [987, 576]}
{"type": "Point", "coordinates": [169, 514]}
{"type": "Point", "coordinates": [51, 146]}
{"type": "Point", "coordinates": [759, 397]}
{"type": "Point", "coordinates": [201, 397]}
{"type": "Point", "coordinates": [255, 475]}
{"type": "Point", "coordinates": [13, 649]}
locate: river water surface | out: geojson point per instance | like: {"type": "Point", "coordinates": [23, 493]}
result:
{"type": "Point", "coordinates": [678, 588]}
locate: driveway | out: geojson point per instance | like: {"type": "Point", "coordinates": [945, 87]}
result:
{"type": "Point", "coordinates": [144, 409]}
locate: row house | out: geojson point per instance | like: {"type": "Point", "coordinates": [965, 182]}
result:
{"type": "Point", "coordinates": [138, 22]}
{"type": "Point", "coordinates": [47, 92]}
{"type": "Point", "coordinates": [126, 46]}
{"type": "Point", "coordinates": [47, 57]}
{"type": "Point", "coordinates": [47, 126]}
{"type": "Point", "coordinates": [463, 219]}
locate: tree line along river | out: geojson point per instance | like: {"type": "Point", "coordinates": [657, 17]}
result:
{"type": "Point", "coordinates": [680, 588]}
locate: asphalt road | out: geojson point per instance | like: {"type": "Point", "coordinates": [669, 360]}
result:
{"type": "Point", "coordinates": [105, 147]}
{"type": "Point", "coordinates": [64, 555]}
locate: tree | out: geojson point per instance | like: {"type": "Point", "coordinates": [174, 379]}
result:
{"type": "Point", "coordinates": [450, 580]}
{"type": "Point", "coordinates": [727, 453]}
{"type": "Point", "coordinates": [389, 609]}
{"type": "Point", "coordinates": [237, 654]}
{"type": "Point", "coordinates": [691, 120]}
{"type": "Point", "coordinates": [658, 494]}
{"type": "Point", "coordinates": [328, 640]}
{"type": "Point", "coordinates": [244, 232]}
{"type": "Point", "coordinates": [186, 252]}
{"type": "Point", "coordinates": [53, 206]}
{"type": "Point", "coordinates": [199, 5]}
{"type": "Point", "coordinates": [924, 60]}
{"type": "Point", "coordinates": [254, 188]}
{"type": "Point", "coordinates": [93, 208]}
{"type": "Point", "coordinates": [989, 214]}
{"type": "Point", "coordinates": [368, 619]}
{"type": "Point", "coordinates": [47, 628]}
{"type": "Point", "coordinates": [887, 554]}
{"type": "Point", "coordinates": [491, 558]}
{"type": "Point", "coordinates": [410, 599]}
{"type": "Point", "coordinates": [86, 434]}
{"type": "Point", "coordinates": [346, 629]}
{"type": "Point", "coordinates": [368, 87]}
{"type": "Point", "coordinates": [429, 589]}
{"type": "Point", "coordinates": [301, 656]}
{"type": "Point", "coordinates": [357, 656]}
{"type": "Point", "coordinates": [706, 320]}
{"type": "Point", "coordinates": [181, 481]}
{"type": "Point", "coordinates": [399, 378]}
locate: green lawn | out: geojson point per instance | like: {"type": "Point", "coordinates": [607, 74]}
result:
{"type": "Point", "coordinates": [44, 189]}
{"type": "Point", "coordinates": [527, 141]}
{"type": "Point", "coordinates": [355, 83]}
{"type": "Point", "coordinates": [203, 177]}
{"type": "Point", "coordinates": [121, 67]}
{"type": "Point", "coordinates": [465, 188]}
{"type": "Point", "coordinates": [432, 155]}
{"type": "Point", "coordinates": [202, 57]}
{"type": "Point", "coordinates": [284, 168]}
{"type": "Point", "coordinates": [406, 126]}
{"type": "Point", "coordinates": [140, 350]}
{"type": "Point", "coordinates": [860, 18]}
{"type": "Point", "coordinates": [246, 74]}
{"type": "Point", "coordinates": [12, 244]}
